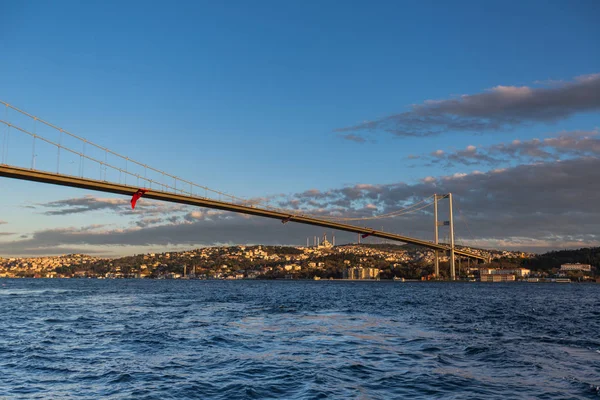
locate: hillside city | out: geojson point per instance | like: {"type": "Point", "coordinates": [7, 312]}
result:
{"type": "Point", "coordinates": [323, 261]}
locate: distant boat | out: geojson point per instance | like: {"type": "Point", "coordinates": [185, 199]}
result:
{"type": "Point", "coordinates": [399, 279]}
{"type": "Point", "coordinates": [562, 280]}
{"type": "Point", "coordinates": [316, 278]}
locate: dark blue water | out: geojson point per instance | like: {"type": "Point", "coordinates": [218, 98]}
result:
{"type": "Point", "coordinates": [62, 339]}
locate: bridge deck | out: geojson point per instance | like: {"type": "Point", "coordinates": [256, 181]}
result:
{"type": "Point", "coordinates": [109, 187]}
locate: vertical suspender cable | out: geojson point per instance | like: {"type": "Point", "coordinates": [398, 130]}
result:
{"type": "Point", "coordinates": [82, 158]}
{"type": "Point", "coordinates": [33, 145]}
{"type": "Point", "coordinates": [7, 141]}
{"type": "Point", "coordinates": [58, 152]}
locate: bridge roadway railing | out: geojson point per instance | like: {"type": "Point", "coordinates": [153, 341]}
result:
{"type": "Point", "coordinates": [103, 186]}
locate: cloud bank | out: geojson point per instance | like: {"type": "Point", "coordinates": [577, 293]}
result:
{"type": "Point", "coordinates": [120, 206]}
{"type": "Point", "coordinates": [565, 145]}
{"type": "Point", "coordinates": [497, 109]}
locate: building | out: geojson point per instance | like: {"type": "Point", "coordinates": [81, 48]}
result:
{"type": "Point", "coordinates": [496, 278]}
{"type": "Point", "coordinates": [520, 272]}
{"type": "Point", "coordinates": [351, 273]}
{"type": "Point", "coordinates": [326, 244]}
{"type": "Point", "coordinates": [575, 267]}
{"type": "Point", "coordinates": [486, 271]}
{"type": "Point", "coordinates": [355, 273]}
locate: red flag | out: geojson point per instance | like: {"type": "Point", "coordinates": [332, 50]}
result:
{"type": "Point", "coordinates": [365, 235]}
{"type": "Point", "coordinates": [136, 197]}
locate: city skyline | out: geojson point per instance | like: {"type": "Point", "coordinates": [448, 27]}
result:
{"type": "Point", "coordinates": [325, 116]}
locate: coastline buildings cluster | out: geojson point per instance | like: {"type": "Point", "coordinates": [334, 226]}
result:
{"type": "Point", "coordinates": [576, 271]}
{"type": "Point", "coordinates": [322, 261]}
{"type": "Point", "coordinates": [43, 267]}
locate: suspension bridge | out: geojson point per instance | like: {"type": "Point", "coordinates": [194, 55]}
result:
{"type": "Point", "coordinates": [121, 175]}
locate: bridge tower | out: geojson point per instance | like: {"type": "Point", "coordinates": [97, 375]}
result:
{"type": "Point", "coordinates": [450, 224]}
{"type": "Point", "coordinates": [452, 260]}
{"type": "Point", "coordinates": [435, 223]}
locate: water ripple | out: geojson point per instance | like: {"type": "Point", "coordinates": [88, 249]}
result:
{"type": "Point", "coordinates": [89, 339]}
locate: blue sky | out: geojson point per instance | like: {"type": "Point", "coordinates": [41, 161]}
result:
{"type": "Point", "coordinates": [246, 97]}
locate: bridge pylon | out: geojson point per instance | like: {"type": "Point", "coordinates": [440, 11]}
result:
{"type": "Point", "coordinates": [450, 224]}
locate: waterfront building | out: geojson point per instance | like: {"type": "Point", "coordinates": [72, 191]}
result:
{"type": "Point", "coordinates": [520, 272]}
{"type": "Point", "coordinates": [497, 278]}
{"type": "Point", "coordinates": [361, 273]}
{"type": "Point", "coordinates": [486, 271]}
{"type": "Point", "coordinates": [576, 267]}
